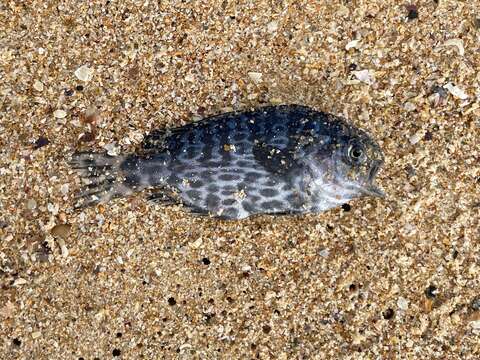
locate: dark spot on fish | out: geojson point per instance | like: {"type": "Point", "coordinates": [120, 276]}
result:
{"type": "Point", "coordinates": [268, 192]}
{"type": "Point", "coordinates": [212, 201]}
{"type": "Point", "coordinates": [213, 164]}
{"type": "Point", "coordinates": [213, 188]}
{"type": "Point", "coordinates": [179, 169]}
{"type": "Point", "coordinates": [270, 182]}
{"type": "Point", "coordinates": [193, 194]}
{"type": "Point", "coordinates": [230, 213]}
{"type": "Point", "coordinates": [196, 184]}
{"type": "Point", "coordinates": [132, 179]}
{"type": "Point", "coordinates": [248, 207]}
{"type": "Point", "coordinates": [294, 199]}
{"type": "Point", "coordinates": [206, 173]}
{"type": "Point", "coordinates": [272, 205]}
{"type": "Point", "coordinates": [174, 180]}
{"type": "Point", "coordinates": [228, 177]}
{"type": "Point", "coordinates": [240, 136]}
{"type": "Point", "coordinates": [228, 202]}
{"type": "Point", "coordinates": [253, 198]}
{"type": "Point", "coordinates": [244, 164]}
{"type": "Point", "coordinates": [242, 185]}
{"type": "Point", "coordinates": [252, 176]}
{"type": "Point", "coordinates": [190, 153]}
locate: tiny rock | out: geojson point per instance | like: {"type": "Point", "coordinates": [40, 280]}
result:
{"type": "Point", "coordinates": [352, 45]}
{"type": "Point", "coordinates": [19, 282]}
{"type": "Point", "coordinates": [402, 303]}
{"type": "Point", "coordinates": [272, 26]}
{"type": "Point", "coordinates": [61, 230]}
{"type": "Point", "coordinates": [59, 114]}
{"type": "Point", "coordinates": [475, 324]}
{"type": "Point", "coordinates": [256, 77]}
{"type": "Point", "coordinates": [84, 73]}
{"type": "Point", "coordinates": [458, 43]}
{"type": "Point", "coordinates": [415, 138]}
{"type": "Point", "coordinates": [364, 76]}
{"type": "Point", "coordinates": [31, 204]}
{"type": "Point", "coordinates": [456, 91]}
{"type": "Point", "coordinates": [38, 85]}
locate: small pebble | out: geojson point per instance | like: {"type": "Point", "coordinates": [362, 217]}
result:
{"type": "Point", "coordinates": [456, 91]}
{"type": "Point", "coordinates": [256, 77]}
{"type": "Point", "coordinates": [415, 138]}
{"type": "Point", "coordinates": [38, 85]}
{"type": "Point", "coordinates": [41, 142]}
{"type": "Point", "coordinates": [388, 314]}
{"type": "Point", "coordinates": [412, 12]}
{"type": "Point", "coordinates": [475, 304]}
{"type": "Point", "coordinates": [64, 189]}
{"type": "Point", "coordinates": [431, 291]}
{"type": "Point", "coordinates": [352, 44]}
{"type": "Point", "coordinates": [84, 73]}
{"type": "Point", "coordinates": [476, 22]}
{"type": "Point", "coordinates": [364, 76]}
{"type": "Point", "coordinates": [324, 253]}
{"type": "Point", "coordinates": [31, 204]}
{"type": "Point", "coordinates": [59, 114]}
{"type": "Point", "coordinates": [61, 230]}
{"type": "Point", "coordinates": [272, 26]}
{"type": "Point", "coordinates": [402, 303]}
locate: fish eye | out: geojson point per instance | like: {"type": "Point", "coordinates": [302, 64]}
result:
{"type": "Point", "coordinates": [356, 153]}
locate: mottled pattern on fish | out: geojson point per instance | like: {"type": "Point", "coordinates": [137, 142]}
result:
{"type": "Point", "coordinates": [285, 159]}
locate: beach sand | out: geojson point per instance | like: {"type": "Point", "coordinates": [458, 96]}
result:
{"type": "Point", "coordinates": [394, 278]}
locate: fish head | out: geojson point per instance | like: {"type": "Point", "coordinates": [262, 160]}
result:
{"type": "Point", "coordinates": [345, 163]}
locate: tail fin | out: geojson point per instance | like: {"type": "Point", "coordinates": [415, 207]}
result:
{"type": "Point", "coordinates": [102, 176]}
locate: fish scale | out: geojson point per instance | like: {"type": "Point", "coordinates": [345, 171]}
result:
{"type": "Point", "coordinates": [286, 159]}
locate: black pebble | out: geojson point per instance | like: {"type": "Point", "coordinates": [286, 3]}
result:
{"type": "Point", "coordinates": [412, 14]}
{"type": "Point", "coordinates": [475, 304]}
{"type": "Point", "coordinates": [116, 352]}
{"type": "Point", "coordinates": [17, 342]}
{"type": "Point", "coordinates": [266, 329]}
{"type": "Point", "coordinates": [79, 87]}
{"type": "Point", "coordinates": [352, 67]}
{"type": "Point", "coordinates": [68, 92]}
{"type": "Point", "coordinates": [41, 142]}
{"type": "Point", "coordinates": [388, 314]}
{"type": "Point", "coordinates": [172, 301]}
{"type": "Point", "coordinates": [206, 261]}
{"type": "Point", "coordinates": [346, 207]}
{"type": "Point", "coordinates": [430, 292]}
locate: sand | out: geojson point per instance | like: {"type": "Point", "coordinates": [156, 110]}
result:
{"type": "Point", "coordinates": [394, 278]}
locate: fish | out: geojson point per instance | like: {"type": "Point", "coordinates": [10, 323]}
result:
{"type": "Point", "coordinates": [275, 160]}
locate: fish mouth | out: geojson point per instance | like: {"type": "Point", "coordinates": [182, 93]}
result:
{"type": "Point", "coordinates": [370, 188]}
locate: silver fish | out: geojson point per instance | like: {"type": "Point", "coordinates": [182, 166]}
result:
{"type": "Point", "coordinates": [286, 159]}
